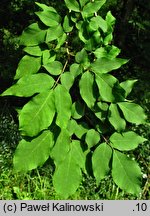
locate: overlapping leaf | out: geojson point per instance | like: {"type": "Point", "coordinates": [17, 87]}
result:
{"type": "Point", "coordinates": [28, 65]}
{"type": "Point", "coordinates": [100, 161]}
{"type": "Point", "coordinates": [126, 141]}
{"type": "Point", "coordinates": [48, 16]}
{"type": "Point", "coordinates": [61, 147]}
{"type": "Point", "coordinates": [30, 84]}
{"type": "Point", "coordinates": [37, 114]}
{"type": "Point", "coordinates": [106, 83]}
{"type": "Point", "coordinates": [63, 105]}
{"type": "Point", "coordinates": [92, 138]}
{"type": "Point", "coordinates": [72, 5]}
{"type": "Point", "coordinates": [115, 119]}
{"type": "Point", "coordinates": [30, 155]}
{"type": "Point", "coordinates": [33, 50]}
{"type": "Point", "coordinates": [127, 86]}
{"type": "Point", "coordinates": [92, 7]}
{"type": "Point", "coordinates": [126, 173]}
{"type": "Point", "coordinates": [67, 176]}
{"type": "Point", "coordinates": [54, 33]}
{"type": "Point", "coordinates": [86, 88]}
{"type": "Point", "coordinates": [33, 35]}
{"type": "Point", "coordinates": [132, 112]}
{"type": "Point", "coordinates": [54, 67]}
{"type": "Point", "coordinates": [105, 65]}
{"type": "Point", "coordinates": [67, 80]}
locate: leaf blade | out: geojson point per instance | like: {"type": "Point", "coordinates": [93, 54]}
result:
{"type": "Point", "coordinates": [30, 155]}
{"type": "Point", "coordinates": [126, 173]}
{"type": "Point", "coordinates": [100, 161]}
{"type": "Point", "coordinates": [126, 141]}
{"type": "Point", "coordinates": [37, 114]}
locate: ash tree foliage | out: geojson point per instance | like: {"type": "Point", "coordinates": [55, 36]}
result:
{"type": "Point", "coordinates": [78, 112]}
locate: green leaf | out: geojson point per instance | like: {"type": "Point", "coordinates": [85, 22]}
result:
{"type": "Point", "coordinates": [126, 141]}
{"type": "Point", "coordinates": [67, 80]}
{"type": "Point", "coordinates": [105, 83]}
{"type": "Point", "coordinates": [78, 129]}
{"type": "Point", "coordinates": [114, 52]}
{"type": "Point", "coordinates": [77, 110]}
{"type": "Point", "coordinates": [48, 56]}
{"type": "Point", "coordinates": [67, 177]}
{"type": "Point", "coordinates": [61, 147]}
{"type": "Point", "coordinates": [83, 2]}
{"type": "Point", "coordinates": [30, 155]}
{"type": "Point", "coordinates": [33, 35]}
{"type": "Point", "coordinates": [63, 105]}
{"type": "Point", "coordinates": [76, 69]}
{"type": "Point", "coordinates": [86, 88]}
{"type": "Point", "coordinates": [115, 119]}
{"type": "Point", "coordinates": [78, 154]}
{"type": "Point", "coordinates": [81, 56]}
{"type": "Point", "coordinates": [67, 24]}
{"type": "Point", "coordinates": [45, 7]}
{"type": "Point", "coordinates": [54, 33]}
{"type": "Point", "coordinates": [98, 22]}
{"type": "Point", "coordinates": [110, 19]}
{"type": "Point", "coordinates": [132, 112]}
{"type": "Point", "coordinates": [127, 86]}
{"type": "Point", "coordinates": [54, 68]}
{"type": "Point", "coordinates": [105, 65]}
{"type": "Point", "coordinates": [48, 16]}
{"type": "Point", "coordinates": [101, 111]}
{"type": "Point", "coordinates": [61, 40]}
{"type": "Point", "coordinates": [92, 7]}
{"type": "Point", "coordinates": [92, 138]}
{"type": "Point", "coordinates": [72, 5]}
{"type": "Point", "coordinates": [37, 114]}
{"type": "Point", "coordinates": [28, 65]}
{"type": "Point", "coordinates": [29, 85]}
{"type": "Point", "coordinates": [100, 161]}
{"type": "Point", "coordinates": [34, 50]}
{"type": "Point", "coordinates": [126, 173]}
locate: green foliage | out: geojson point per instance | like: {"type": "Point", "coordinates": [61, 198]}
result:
{"type": "Point", "coordinates": [77, 107]}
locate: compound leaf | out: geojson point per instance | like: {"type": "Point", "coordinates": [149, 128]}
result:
{"type": "Point", "coordinates": [37, 114]}
{"type": "Point", "coordinates": [126, 173]}
{"type": "Point", "coordinates": [126, 141]}
{"type": "Point", "coordinates": [100, 161]}
{"type": "Point", "coordinates": [30, 155]}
